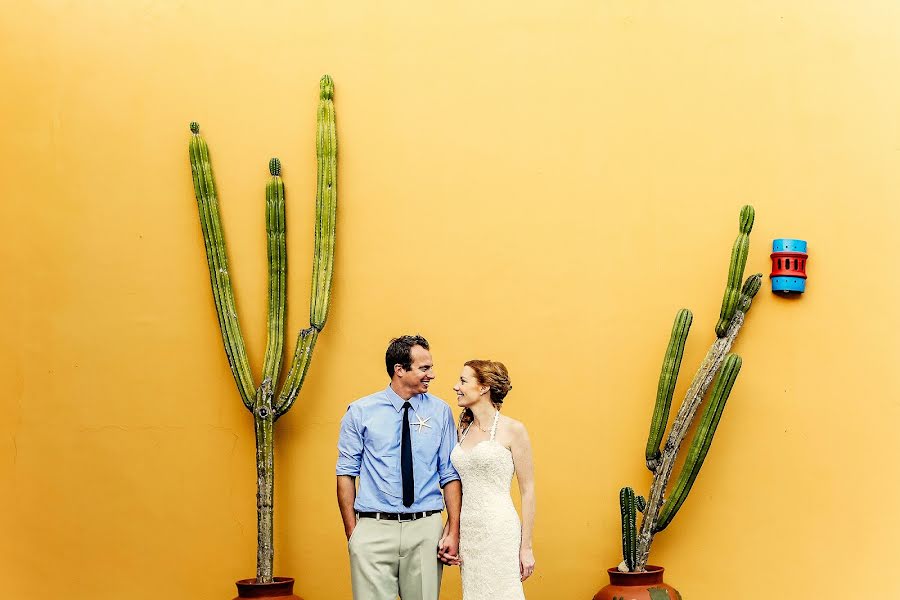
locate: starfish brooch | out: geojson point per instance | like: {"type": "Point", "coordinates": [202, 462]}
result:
{"type": "Point", "coordinates": [420, 423]}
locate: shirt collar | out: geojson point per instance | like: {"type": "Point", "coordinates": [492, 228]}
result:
{"type": "Point", "coordinates": [397, 402]}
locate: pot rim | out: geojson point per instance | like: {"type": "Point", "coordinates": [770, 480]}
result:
{"type": "Point", "coordinates": [275, 581]}
{"type": "Point", "coordinates": [650, 569]}
{"type": "Point", "coordinates": [653, 574]}
{"type": "Point", "coordinates": [280, 586]}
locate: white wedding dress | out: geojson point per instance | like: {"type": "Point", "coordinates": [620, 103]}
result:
{"type": "Point", "coordinates": [489, 527]}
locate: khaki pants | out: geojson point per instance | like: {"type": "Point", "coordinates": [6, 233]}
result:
{"type": "Point", "coordinates": [389, 558]}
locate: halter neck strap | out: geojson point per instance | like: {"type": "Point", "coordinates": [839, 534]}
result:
{"type": "Point", "coordinates": [464, 433]}
{"type": "Point", "coordinates": [494, 426]}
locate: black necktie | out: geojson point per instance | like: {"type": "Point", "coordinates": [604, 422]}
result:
{"type": "Point", "coordinates": [406, 464]}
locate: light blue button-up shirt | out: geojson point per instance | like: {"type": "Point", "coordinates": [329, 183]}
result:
{"type": "Point", "coordinates": [369, 448]}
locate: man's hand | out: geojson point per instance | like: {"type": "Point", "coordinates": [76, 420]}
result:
{"type": "Point", "coordinates": [348, 531]}
{"type": "Point", "coordinates": [448, 548]}
{"type": "Point", "coordinates": [346, 496]}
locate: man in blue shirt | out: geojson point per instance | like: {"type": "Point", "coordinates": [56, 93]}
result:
{"type": "Point", "coordinates": [398, 442]}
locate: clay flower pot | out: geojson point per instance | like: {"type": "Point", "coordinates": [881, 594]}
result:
{"type": "Point", "coordinates": [637, 586]}
{"type": "Point", "coordinates": [281, 589]}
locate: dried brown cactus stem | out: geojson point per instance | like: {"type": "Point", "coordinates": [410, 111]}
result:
{"type": "Point", "coordinates": [692, 400]}
{"type": "Point", "coordinates": [264, 424]}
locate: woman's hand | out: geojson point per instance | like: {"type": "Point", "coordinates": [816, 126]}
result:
{"type": "Point", "coordinates": [526, 563]}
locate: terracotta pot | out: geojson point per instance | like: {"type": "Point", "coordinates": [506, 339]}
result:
{"type": "Point", "coordinates": [637, 586]}
{"type": "Point", "coordinates": [281, 589]}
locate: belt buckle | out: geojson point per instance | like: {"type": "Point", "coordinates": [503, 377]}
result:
{"type": "Point", "coordinates": [412, 517]}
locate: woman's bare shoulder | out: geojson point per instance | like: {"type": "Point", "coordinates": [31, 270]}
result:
{"type": "Point", "coordinates": [514, 427]}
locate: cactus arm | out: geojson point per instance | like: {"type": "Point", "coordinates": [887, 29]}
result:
{"type": "Point", "coordinates": [290, 389]}
{"type": "Point", "coordinates": [323, 257]}
{"type": "Point", "coordinates": [629, 527]}
{"type": "Point", "coordinates": [277, 255]}
{"type": "Point", "coordinates": [326, 205]}
{"type": "Point", "coordinates": [640, 503]}
{"type": "Point", "coordinates": [749, 291]}
{"type": "Point", "coordinates": [702, 440]}
{"type": "Point", "coordinates": [692, 399]}
{"type": "Point", "coordinates": [736, 269]}
{"type": "Point", "coordinates": [219, 276]}
{"type": "Point", "coordinates": [667, 379]}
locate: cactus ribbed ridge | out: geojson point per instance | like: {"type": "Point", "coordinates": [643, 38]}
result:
{"type": "Point", "coordinates": [263, 402]}
{"type": "Point", "coordinates": [658, 511]}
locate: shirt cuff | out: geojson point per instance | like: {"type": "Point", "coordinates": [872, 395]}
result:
{"type": "Point", "coordinates": [445, 479]}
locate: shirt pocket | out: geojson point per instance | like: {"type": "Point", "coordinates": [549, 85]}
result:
{"type": "Point", "coordinates": [425, 445]}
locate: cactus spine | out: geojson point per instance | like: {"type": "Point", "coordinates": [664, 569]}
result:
{"type": "Point", "coordinates": [667, 379]}
{"type": "Point", "coordinates": [658, 512]}
{"type": "Point", "coordinates": [736, 269]}
{"type": "Point", "coordinates": [629, 527]}
{"type": "Point", "coordinates": [265, 405]}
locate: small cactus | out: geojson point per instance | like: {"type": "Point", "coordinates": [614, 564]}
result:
{"type": "Point", "coordinates": [629, 527]}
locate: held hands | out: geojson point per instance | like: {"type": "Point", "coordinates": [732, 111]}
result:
{"type": "Point", "coordinates": [526, 563]}
{"type": "Point", "coordinates": [448, 548]}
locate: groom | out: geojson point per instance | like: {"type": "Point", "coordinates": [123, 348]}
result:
{"type": "Point", "coordinates": [398, 442]}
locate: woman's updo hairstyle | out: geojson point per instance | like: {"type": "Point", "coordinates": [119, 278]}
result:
{"type": "Point", "coordinates": [492, 374]}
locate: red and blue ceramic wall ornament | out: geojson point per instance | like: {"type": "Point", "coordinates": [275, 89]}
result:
{"type": "Point", "coordinates": [788, 266]}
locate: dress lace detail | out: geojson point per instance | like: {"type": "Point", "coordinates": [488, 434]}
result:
{"type": "Point", "coordinates": [489, 527]}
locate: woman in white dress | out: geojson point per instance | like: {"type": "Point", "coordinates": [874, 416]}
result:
{"type": "Point", "coordinates": [494, 547]}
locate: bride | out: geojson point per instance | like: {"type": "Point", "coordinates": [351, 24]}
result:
{"type": "Point", "coordinates": [494, 549]}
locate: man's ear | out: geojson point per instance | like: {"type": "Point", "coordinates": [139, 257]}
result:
{"type": "Point", "coordinates": [398, 369]}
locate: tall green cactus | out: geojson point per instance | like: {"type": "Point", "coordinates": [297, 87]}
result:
{"type": "Point", "coordinates": [263, 402]}
{"type": "Point", "coordinates": [658, 511]}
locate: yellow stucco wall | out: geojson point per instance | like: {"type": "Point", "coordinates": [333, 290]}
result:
{"type": "Point", "coordinates": [542, 183]}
